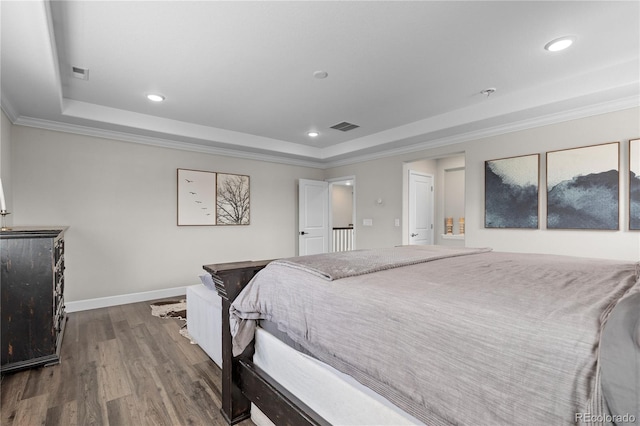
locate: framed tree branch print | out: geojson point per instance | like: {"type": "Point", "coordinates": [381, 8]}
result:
{"type": "Point", "coordinates": [232, 199]}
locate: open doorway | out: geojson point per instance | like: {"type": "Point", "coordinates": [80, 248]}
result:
{"type": "Point", "coordinates": [342, 217]}
{"type": "Point", "coordinates": [448, 198]}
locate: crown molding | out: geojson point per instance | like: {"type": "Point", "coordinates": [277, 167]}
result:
{"type": "Point", "coordinates": [546, 120]}
{"type": "Point", "coordinates": [8, 109]}
{"type": "Point", "coordinates": [160, 142]}
{"type": "Point", "coordinates": [572, 114]}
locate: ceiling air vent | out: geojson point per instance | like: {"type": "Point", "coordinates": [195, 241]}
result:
{"type": "Point", "coordinates": [81, 73]}
{"type": "Point", "coordinates": [344, 126]}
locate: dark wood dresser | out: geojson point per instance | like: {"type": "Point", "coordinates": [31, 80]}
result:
{"type": "Point", "coordinates": [32, 296]}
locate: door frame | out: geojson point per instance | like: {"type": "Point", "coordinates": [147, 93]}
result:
{"type": "Point", "coordinates": [438, 170]}
{"type": "Point", "coordinates": [333, 181]}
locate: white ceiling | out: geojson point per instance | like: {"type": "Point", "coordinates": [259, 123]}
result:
{"type": "Point", "coordinates": [238, 75]}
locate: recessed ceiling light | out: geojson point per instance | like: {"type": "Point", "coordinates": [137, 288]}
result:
{"type": "Point", "coordinates": [313, 134]}
{"type": "Point", "coordinates": [559, 44]}
{"type": "Point", "coordinates": [155, 98]}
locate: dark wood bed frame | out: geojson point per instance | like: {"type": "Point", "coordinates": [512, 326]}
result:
{"type": "Point", "coordinates": [242, 381]}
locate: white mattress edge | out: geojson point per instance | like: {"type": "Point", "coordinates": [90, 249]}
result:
{"type": "Point", "coordinates": [335, 396]}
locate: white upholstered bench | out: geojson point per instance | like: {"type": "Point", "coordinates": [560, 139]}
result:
{"type": "Point", "coordinates": [204, 320]}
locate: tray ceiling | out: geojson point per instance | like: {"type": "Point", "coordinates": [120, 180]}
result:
{"type": "Point", "coordinates": [242, 78]}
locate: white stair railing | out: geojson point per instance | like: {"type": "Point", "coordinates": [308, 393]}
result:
{"type": "Point", "coordinates": [342, 239]}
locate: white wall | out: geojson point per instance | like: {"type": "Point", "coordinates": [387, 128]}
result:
{"type": "Point", "coordinates": [375, 179]}
{"type": "Point", "coordinates": [5, 164]}
{"type": "Point", "coordinates": [624, 244]}
{"type": "Point", "coordinates": [341, 205]}
{"type": "Point", "coordinates": [383, 177]}
{"type": "Point", "coordinates": [454, 195]}
{"type": "Point", "coordinates": [451, 196]}
{"type": "Point", "coordinates": [119, 200]}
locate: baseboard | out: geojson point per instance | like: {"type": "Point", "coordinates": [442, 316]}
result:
{"type": "Point", "coordinates": [104, 302]}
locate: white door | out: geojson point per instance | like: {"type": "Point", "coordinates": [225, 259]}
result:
{"type": "Point", "coordinates": [313, 217]}
{"type": "Point", "coordinates": [420, 208]}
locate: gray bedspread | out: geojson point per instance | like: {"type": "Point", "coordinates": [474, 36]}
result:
{"type": "Point", "coordinates": [333, 266]}
{"type": "Point", "coordinates": [466, 337]}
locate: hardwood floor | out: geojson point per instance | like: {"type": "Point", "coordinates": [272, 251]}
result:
{"type": "Point", "coordinates": [120, 366]}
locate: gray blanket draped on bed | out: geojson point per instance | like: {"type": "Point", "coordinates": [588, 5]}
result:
{"type": "Point", "coordinates": [455, 336]}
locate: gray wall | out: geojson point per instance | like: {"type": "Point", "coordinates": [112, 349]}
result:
{"type": "Point", "coordinates": [450, 193]}
{"type": "Point", "coordinates": [384, 178]}
{"type": "Point", "coordinates": [342, 205]}
{"type": "Point", "coordinates": [5, 163]}
{"type": "Point", "coordinates": [119, 200]}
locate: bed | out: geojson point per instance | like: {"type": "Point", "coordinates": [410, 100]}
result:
{"type": "Point", "coordinates": [447, 335]}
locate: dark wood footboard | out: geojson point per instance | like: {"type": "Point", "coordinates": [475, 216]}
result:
{"type": "Point", "coordinates": [242, 381]}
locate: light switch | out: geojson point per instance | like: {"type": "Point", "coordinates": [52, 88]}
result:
{"type": "Point", "coordinates": [397, 222]}
{"type": "Point", "coordinates": [367, 222]}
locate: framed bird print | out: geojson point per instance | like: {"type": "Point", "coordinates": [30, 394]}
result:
{"type": "Point", "coordinates": [196, 197]}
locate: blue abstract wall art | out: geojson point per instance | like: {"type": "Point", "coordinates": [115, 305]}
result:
{"type": "Point", "coordinates": [511, 192]}
{"type": "Point", "coordinates": [583, 187]}
{"type": "Point", "coordinates": [634, 184]}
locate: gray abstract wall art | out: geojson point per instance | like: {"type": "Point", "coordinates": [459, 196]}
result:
{"type": "Point", "coordinates": [583, 187]}
{"type": "Point", "coordinates": [634, 184]}
{"type": "Point", "coordinates": [511, 192]}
